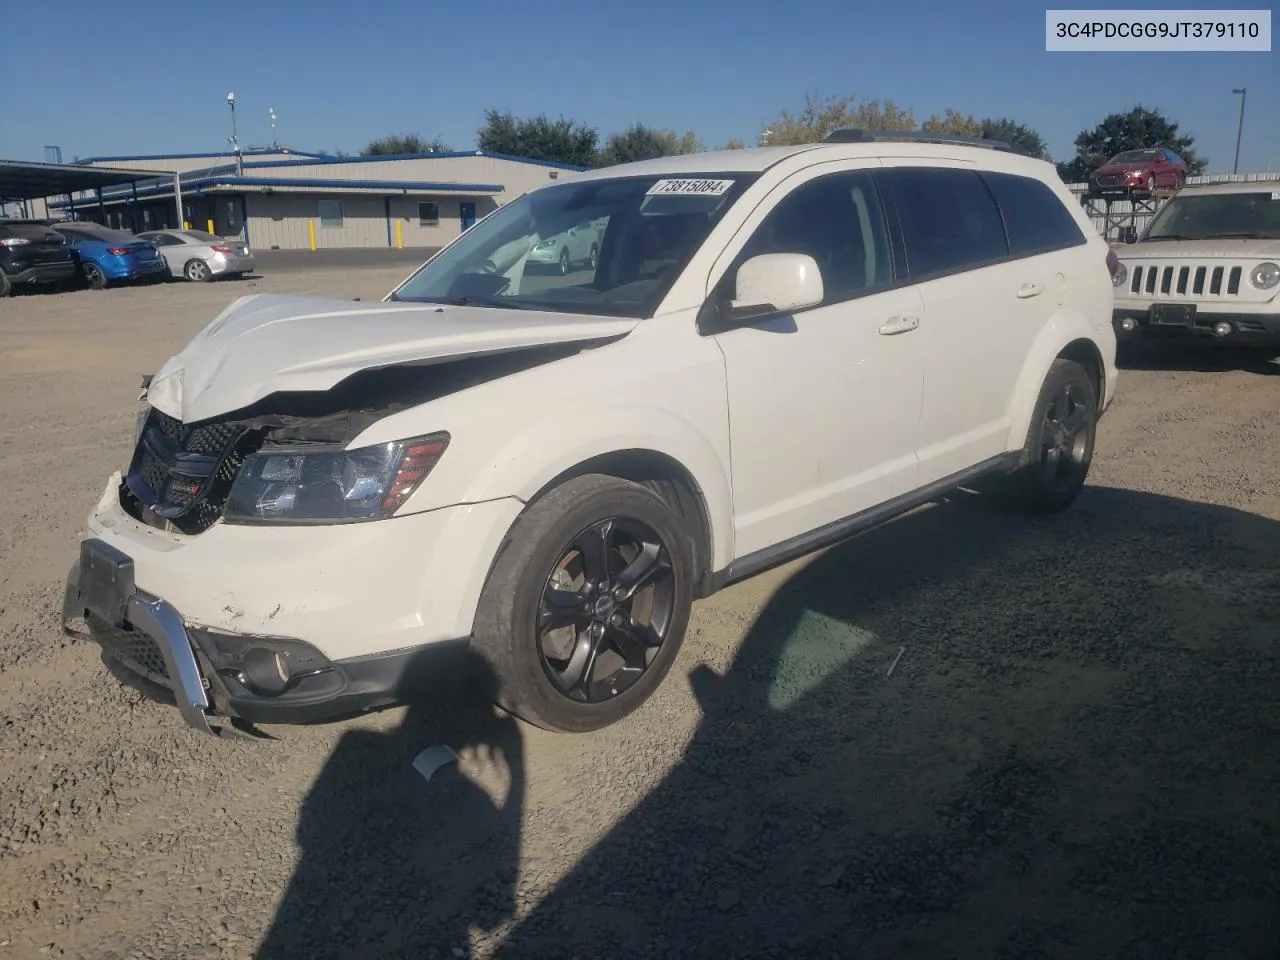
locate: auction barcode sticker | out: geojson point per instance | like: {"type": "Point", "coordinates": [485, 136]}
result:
{"type": "Point", "coordinates": [701, 188]}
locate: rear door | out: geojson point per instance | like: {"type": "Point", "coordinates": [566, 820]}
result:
{"type": "Point", "coordinates": [982, 309]}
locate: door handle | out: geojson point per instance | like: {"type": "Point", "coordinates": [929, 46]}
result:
{"type": "Point", "coordinates": [1030, 290]}
{"type": "Point", "coordinates": [899, 325]}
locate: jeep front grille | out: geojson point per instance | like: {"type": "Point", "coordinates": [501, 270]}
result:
{"type": "Point", "coordinates": [1189, 281]}
{"type": "Point", "coordinates": [181, 474]}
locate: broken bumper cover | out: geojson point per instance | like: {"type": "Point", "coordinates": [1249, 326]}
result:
{"type": "Point", "coordinates": [207, 674]}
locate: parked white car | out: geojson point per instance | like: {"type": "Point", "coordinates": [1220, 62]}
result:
{"type": "Point", "coordinates": [577, 246]}
{"type": "Point", "coordinates": [778, 348]}
{"type": "Point", "coordinates": [1208, 265]}
{"type": "Point", "coordinates": [201, 256]}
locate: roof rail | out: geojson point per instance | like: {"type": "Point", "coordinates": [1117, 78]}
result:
{"type": "Point", "coordinates": [854, 135]}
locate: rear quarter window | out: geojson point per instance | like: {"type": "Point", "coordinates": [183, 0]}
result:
{"type": "Point", "coordinates": [1034, 217]}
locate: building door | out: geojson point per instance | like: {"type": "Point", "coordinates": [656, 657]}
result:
{"type": "Point", "coordinates": [467, 214]}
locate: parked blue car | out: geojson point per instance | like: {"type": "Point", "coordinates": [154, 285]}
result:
{"type": "Point", "coordinates": [108, 256]}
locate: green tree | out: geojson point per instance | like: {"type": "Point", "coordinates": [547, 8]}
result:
{"type": "Point", "coordinates": [639, 142]}
{"type": "Point", "coordinates": [1017, 135]}
{"type": "Point", "coordinates": [404, 143]}
{"type": "Point", "coordinates": [558, 141]}
{"type": "Point", "coordinates": [820, 116]}
{"type": "Point", "coordinates": [953, 122]}
{"type": "Point", "coordinates": [1139, 128]}
{"type": "Point", "coordinates": [734, 144]}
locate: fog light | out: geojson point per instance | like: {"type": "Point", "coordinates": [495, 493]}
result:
{"type": "Point", "coordinates": [264, 671]}
{"type": "Point", "coordinates": [1221, 328]}
{"type": "Point", "coordinates": [1128, 324]}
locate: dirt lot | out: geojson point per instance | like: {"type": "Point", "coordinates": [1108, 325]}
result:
{"type": "Point", "coordinates": [1075, 755]}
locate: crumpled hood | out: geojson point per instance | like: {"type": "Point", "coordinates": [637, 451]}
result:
{"type": "Point", "coordinates": [266, 343]}
{"type": "Point", "coordinates": [1199, 249]}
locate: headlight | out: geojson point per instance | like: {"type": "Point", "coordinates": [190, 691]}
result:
{"type": "Point", "coordinates": [1122, 274]}
{"type": "Point", "coordinates": [1265, 276]}
{"type": "Point", "coordinates": [336, 486]}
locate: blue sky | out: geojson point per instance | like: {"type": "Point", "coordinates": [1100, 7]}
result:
{"type": "Point", "coordinates": [342, 74]}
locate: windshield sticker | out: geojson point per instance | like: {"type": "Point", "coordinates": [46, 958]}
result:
{"type": "Point", "coordinates": [1275, 195]}
{"type": "Point", "coordinates": [699, 188]}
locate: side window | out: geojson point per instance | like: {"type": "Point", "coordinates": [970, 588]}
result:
{"type": "Point", "coordinates": [836, 219]}
{"type": "Point", "coordinates": [330, 213]}
{"type": "Point", "coordinates": [1034, 217]}
{"type": "Point", "coordinates": [949, 221]}
{"type": "Point", "coordinates": [428, 213]}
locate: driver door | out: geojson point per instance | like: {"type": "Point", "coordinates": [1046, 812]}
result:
{"type": "Point", "coordinates": [824, 404]}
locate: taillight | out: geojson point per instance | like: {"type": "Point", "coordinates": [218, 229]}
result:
{"type": "Point", "coordinates": [118, 251]}
{"type": "Point", "coordinates": [217, 249]}
{"type": "Point", "coordinates": [13, 241]}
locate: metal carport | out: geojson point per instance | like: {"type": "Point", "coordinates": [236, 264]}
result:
{"type": "Point", "coordinates": [21, 181]}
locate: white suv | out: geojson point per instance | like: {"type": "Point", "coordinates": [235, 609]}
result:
{"type": "Point", "coordinates": [778, 348]}
{"type": "Point", "coordinates": [1208, 266]}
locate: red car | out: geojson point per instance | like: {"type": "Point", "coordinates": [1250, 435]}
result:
{"type": "Point", "coordinates": [1138, 172]}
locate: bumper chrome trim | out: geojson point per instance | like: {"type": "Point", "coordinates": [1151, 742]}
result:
{"type": "Point", "coordinates": [161, 622]}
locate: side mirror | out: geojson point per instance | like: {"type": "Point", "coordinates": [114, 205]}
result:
{"type": "Point", "coordinates": [774, 283]}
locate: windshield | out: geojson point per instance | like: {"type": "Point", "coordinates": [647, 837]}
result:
{"type": "Point", "coordinates": [1218, 215]}
{"type": "Point", "coordinates": [611, 247]}
{"type": "Point", "coordinates": [1133, 156]}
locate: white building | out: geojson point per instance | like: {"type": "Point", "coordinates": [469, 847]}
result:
{"type": "Point", "coordinates": [290, 200]}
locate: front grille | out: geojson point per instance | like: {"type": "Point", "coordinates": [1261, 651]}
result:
{"type": "Point", "coordinates": [1112, 181]}
{"type": "Point", "coordinates": [135, 650]}
{"type": "Point", "coordinates": [1202, 280]}
{"type": "Point", "coordinates": [181, 474]}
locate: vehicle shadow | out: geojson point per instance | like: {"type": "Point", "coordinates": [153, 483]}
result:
{"type": "Point", "coordinates": [1201, 357]}
{"type": "Point", "coordinates": [392, 864]}
{"type": "Point", "coordinates": [972, 735]}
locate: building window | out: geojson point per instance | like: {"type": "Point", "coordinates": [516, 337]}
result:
{"type": "Point", "coordinates": [428, 214]}
{"type": "Point", "coordinates": [330, 213]}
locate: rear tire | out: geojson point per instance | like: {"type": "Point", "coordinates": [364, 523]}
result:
{"type": "Point", "coordinates": [94, 277]}
{"type": "Point", "coordinates": [1059, 447]}
{"type": "Point", "coordinates": [605, 662]}
{"type": "Point", "coordinates": [197, 271]}
{"type": "Point", "coordinates": [5, 286]}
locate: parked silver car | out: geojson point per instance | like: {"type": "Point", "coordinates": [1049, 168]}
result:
{"type": "Point", "coordinates": [201, 256]}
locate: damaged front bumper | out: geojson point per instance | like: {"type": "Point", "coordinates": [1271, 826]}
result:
{"type": "Point", "coordinates": [239, 679]}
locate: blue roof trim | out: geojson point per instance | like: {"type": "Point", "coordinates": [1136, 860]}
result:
{"type": "Point", "coordinates": [378, 158]}
{"type": "Point", "coordinates": [196, 186]}
{"type": "Point", "coordinates": [197, 156]}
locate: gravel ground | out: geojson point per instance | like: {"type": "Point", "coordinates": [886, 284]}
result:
{"type": "Point", "coordinates": [1074, 754]}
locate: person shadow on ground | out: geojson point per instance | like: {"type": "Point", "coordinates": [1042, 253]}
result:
{"type": "Point", "coordinates": [393, 865]}
{"type": "Point", "coordinates": [969, 735]}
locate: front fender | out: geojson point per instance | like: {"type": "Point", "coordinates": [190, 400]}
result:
{"type": "Point", "coordinates": [1063, 329]}
{"type": "Point", "coordinates": [527, 463]}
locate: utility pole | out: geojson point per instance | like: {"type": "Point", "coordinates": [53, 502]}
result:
{"type": "Point", "coordinates": [271, 112]}
{"type": "Point", "coordinates": [1235, 168]}
{"type": "Point", "coordinates": [235, 141]}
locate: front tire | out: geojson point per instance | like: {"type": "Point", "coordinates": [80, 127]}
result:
{"type": "Point", "coordinates": [1059, 448]}
{"type": "Point", "coordinates": [587, 604]}
{"type": "Point", "coordinates": [564, 262]}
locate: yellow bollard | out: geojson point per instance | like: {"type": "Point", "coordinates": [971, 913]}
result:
{"type": "Point", "coordinates": [311, 229]}
{"type": "Point", "coordinates": [399, 235]}
{"type": "Point", "coordinates": [211, 226]}
{"type": "Point", "coordinates": [186, 224]}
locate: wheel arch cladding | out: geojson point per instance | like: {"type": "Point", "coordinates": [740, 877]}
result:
{"type": "Point", "coordinates": [1067, 337]}
{"type": "Point", "coordinates": [668, 478]}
